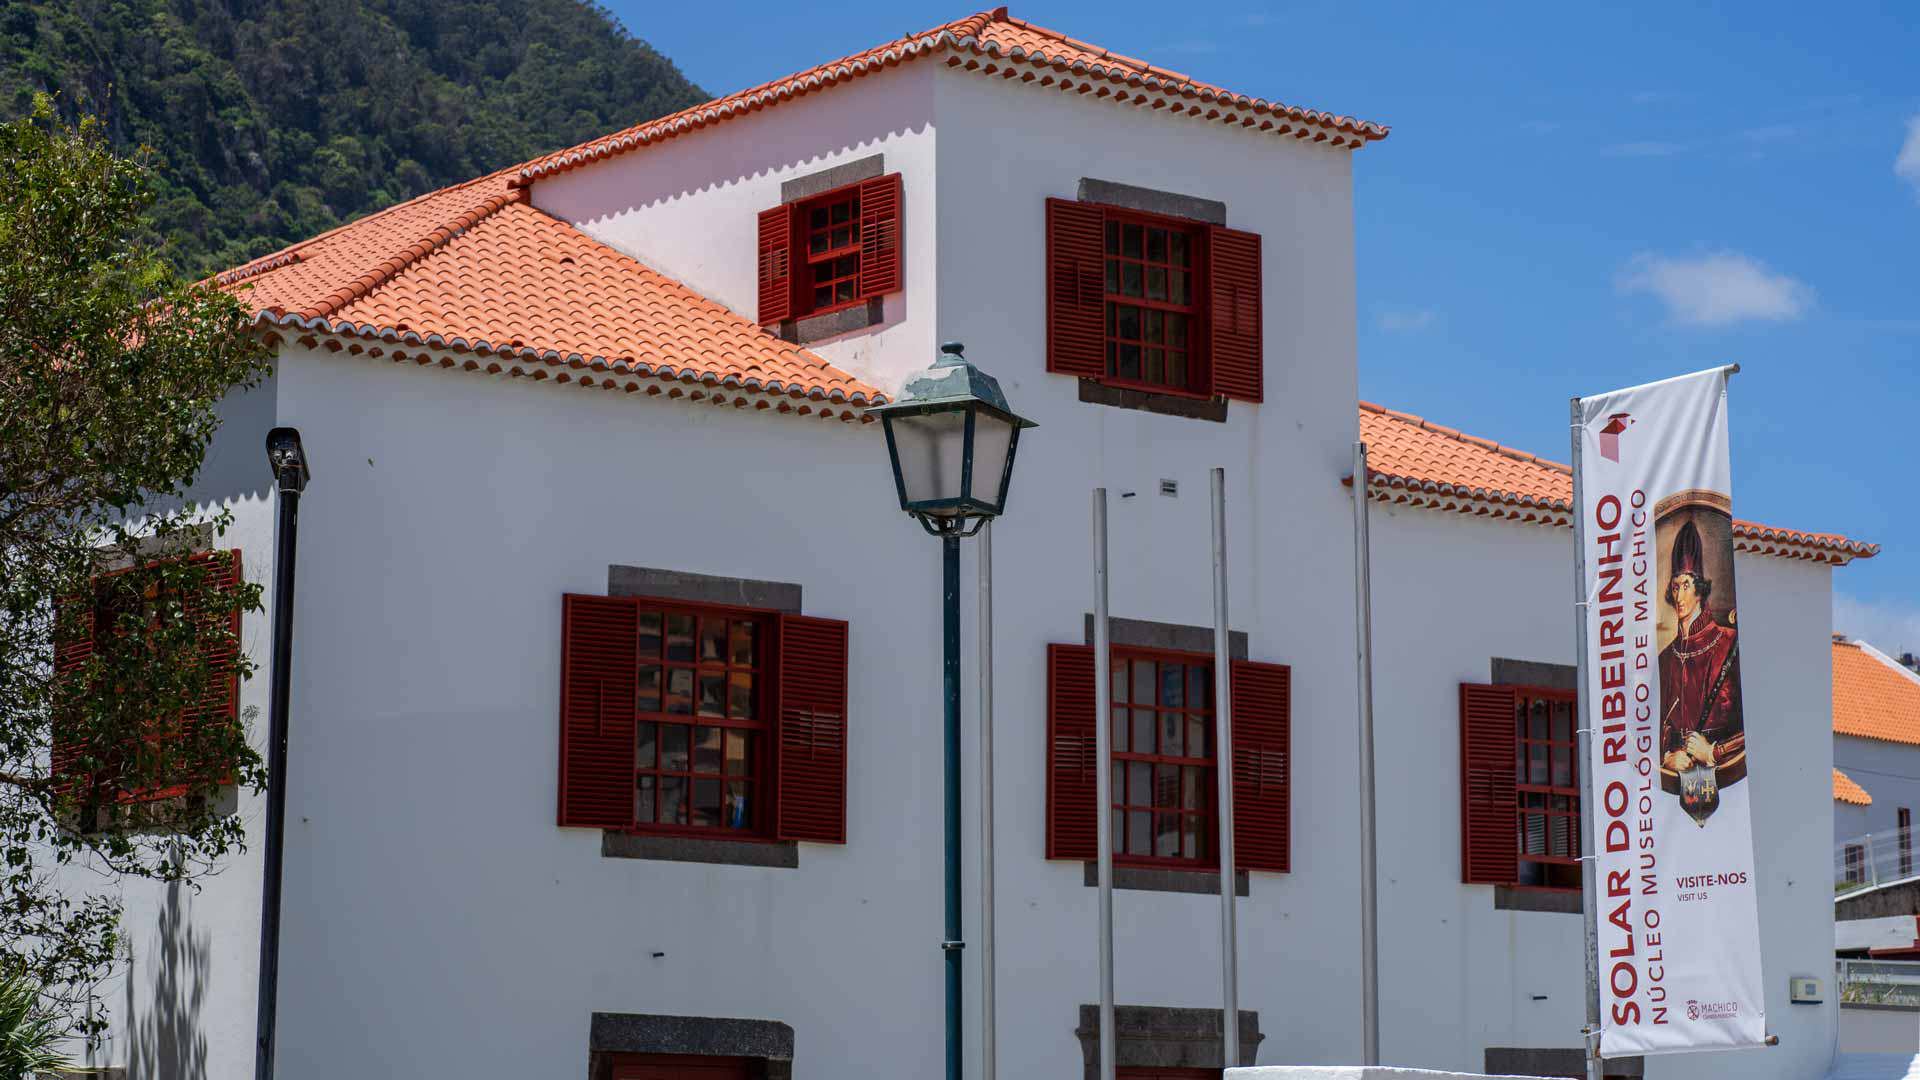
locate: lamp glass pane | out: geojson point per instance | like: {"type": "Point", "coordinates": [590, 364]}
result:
{"type": "Point", "coordinates": [992, 438]}
{"type": "Point", "coordinates": [929, 448]}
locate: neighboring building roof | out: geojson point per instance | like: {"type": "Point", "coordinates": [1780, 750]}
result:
{"type": "Point", "coordinates": [476, 269]}
{"type": "Point", "coordinates": [1873, 696]}
{"type": "Point", "coordinates": [1846, 791]}
{"type": "Point", "coordinates": [994, 43]}
{"type": "Point", "coordinates": [1417, 462]}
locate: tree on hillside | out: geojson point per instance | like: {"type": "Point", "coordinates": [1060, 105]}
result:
{"type": "Point", "coordinates": [118, 615]}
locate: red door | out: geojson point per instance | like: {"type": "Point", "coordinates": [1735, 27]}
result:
{"type": "Point", "coordinates": [674, 1067]}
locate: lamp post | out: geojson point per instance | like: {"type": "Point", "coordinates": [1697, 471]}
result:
{"type": "Point", "coordinates": [952, 437]}
{"type": "Point", "coordinates": [289, 464]}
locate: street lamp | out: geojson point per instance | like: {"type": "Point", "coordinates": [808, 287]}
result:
{"type": "Point", "coordinates": [952, 439]}
{"type": "Point", "coordinates": [289, 464]}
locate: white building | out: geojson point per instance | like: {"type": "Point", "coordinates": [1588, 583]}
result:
{"type": "Point", "coordinates": [554, 382]}
{"type": "Point", "coordinates": [1876, 764]}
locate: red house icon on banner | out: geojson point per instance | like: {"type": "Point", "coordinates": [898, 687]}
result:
{"type": "Point", "coordinates": [1610, 435]}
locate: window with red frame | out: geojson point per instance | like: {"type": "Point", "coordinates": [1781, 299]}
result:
{"type": "Point", "coordinates": [1519, 786]}
{"type": "Point", "coordinates": [1165, 789]}
{"type": "Point", "coordinates": [1854, 866]}
{"type": "Point", "coordinates": [831, 251]}
{"type": "Point", "coordinates": [702, 719]}
{"type": "Point", "coordinates": [1152, 304]}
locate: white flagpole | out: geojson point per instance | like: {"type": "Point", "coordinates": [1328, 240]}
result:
{"type": "Point", "coordinates": [985, 660]}
{"type": "Point", "coordinates": [1223, 742]}
{"type": "Point", "coordinates": [1589, 894]}
{"type": "Point", "coordinates": [1103, 782]}
{"type": "Point", "coordinates": [1363, 647]}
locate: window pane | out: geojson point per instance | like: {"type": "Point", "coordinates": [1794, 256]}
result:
{"type": "Point", "coordinates": [1173, 729]}
{"type": "Point", "coordinates": [680, 637]}
{"type": "Point", "coordinates": [713, 641]}
{"type": "Point", "coordinates": [1156, 327]}
{"type": "Point", "coordinates": [1559, 837]}
{"type": "Point", "coordinates": [1129, 362]}
{"type": "Point", "coordinates": [1127, 323]}
{"type": "Point", "coordinates": [1143, 731]}
{"type": "Point", "coordinates": [1562, 771]}
{"type": "Point", "coordinates": [1200, 687]}
{"type": "Point", "coordinates": [706, 802]}
{"type": "Point", "coordinates": [740, 696]}
{"type": "Point", "coordinates": [818, 218]}
{"type": "Point", "coordinates": [713, 693]}
{"type": "Point", "coordinates": [1198, 743]}
{"type": "Point", "coordinates": [1113, 238]}
{"type": "Point", "coordinates": [1176, 368]}
{"type": "Point", "coordinates": [843, 211]}
{"type": "Point", "coordinates": [843, 292]}
{"type": "Point", "coordinates": [823, 296]}
{"type": "Point", "coordinates": [738, 815]}
{"type": "Point", "coordinates": [1119, 832]}
{"type": "Point", "coordinates": [1537, 763]}
{"type": "Point", "coordinates": [1157, 245]}
{"type": "Point", "coordinates": [1117, 679]}
{"type": "Point", "coordinates": [1193, 787]}
{"type": "Point", "coordinates": [643, 751]}
{"type": "Point", "coordinates": [1156, 366]}
{"type": "Point", "coordinates": [817, 243]}
{"type": "Point", "coordinates": [673, 800]}
{"type": "Point", "coordinates": [1140, 832]}
{"type": "Point", "coordinates": [706, 750]}
{"type": "Point", "coordinates": [1130, 241]}
{"type": "Point", "coordinates": [643, 806]}
{"type": "Point", "coordinates": [1191, 842]}
{"type": "Point", "coordinates": [1563, 721]}
{"type": "Point", "coordinates": [673, 747]}
{"type": "Point", "coordinates": [679, 691]}
{"type": "Point", "coordinates": [1119, 732]}
{"type": "Point", "coordinates": [1156, 283]}
{"type": "Point", "coordinates": [1167, 835]}
{"type": "Point", "coordinates": [1113, 279]}
{"type": "Point", "coordinates": [649, 635]}
{"type": "Point", "coordinates": [1129, 279]}
{"type": "Point", "coordinates": [1166, 786]}
{"type": "Point", "coordinates": [737, 743]}
{"type": "Point", "coordinates": [743, 638]}
{"type": "Point", "coordinates": [1144, 691]}
{"type": "Point", "coordinates": [1117, 782]}
{"type": "Point", "coordinates": [1139, 783]}
{"type": "Point", "coordinates": [1178, 286]}
{"type": "Point", "coordinates": [1176, 330]}
{"type": "Point", "coordinates": [1537, 720]}
{"type": "Point", "coordinates": [649, 696]}
{"type": "Point", "coordinates": [1177, 247]}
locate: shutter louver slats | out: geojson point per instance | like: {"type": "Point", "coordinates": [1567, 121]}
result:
{"type": "Point", "coordinates": [1489, 824]}
{"type": "Point", "coordinates": [221, 702]}
{"type": "Point", "coordinates": [69, 655]}
{"type": "Point", "coordinates": [599, 681]}
{"type": "Point", "coordinates": [880, 200]}
{"type": "Point", "coordinates": [1076, 289]}
{"type": "Point", "coordinates": [812, 729]}
{"type": "Point", "coordinates": [776, 264]}
{"type": "Point", "coordinates": [1262, 765]}
{"type": "Point", "coordinates": [1072, 764]}
{"type": "Point", "coordinates": [1233, 313]}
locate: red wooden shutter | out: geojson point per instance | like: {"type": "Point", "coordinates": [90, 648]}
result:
{"type": "Point", "coordinates": [1233, 312]}
{"type": "Point", "coordinates": [220, 704]}
{"type": "Point", "coordinates": [1262, 765]}
{"type": "Point", "coordinates": [1071, 754]}
{"type": "Point", "coordinates": [811, 683]}
{"type": "Point", "coordinates": [880, 235]}
{"type": "Point", "coordinates": [1076, 289]}
{"type": "Point", "coordinates": [1489, 821]}
{"type": "Point", "coordinates": [599, 681]}
{"type": "Point", "coordinates": [70, 653]}
{"type": "Point", "coordinates": [776, 264]}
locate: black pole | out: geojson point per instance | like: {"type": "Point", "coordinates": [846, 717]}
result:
{"type": "Point", "coordinates": [950, 561]}
{"type": "Point", "coordinates": [290, 477]}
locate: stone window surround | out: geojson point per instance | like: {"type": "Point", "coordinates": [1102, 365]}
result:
{"type": "Point", "coordinates": [1169, 204]}
{"type": "Point", "coordinates": [1505, 672]}
{"type": "Point", "coordinates": [1148, 1036]}
{"type": "Point", "coordinates": [813, 328]}
{"type": "Point", "coordinates": [1144, 634]}
{"type": "Point", "coordinates": [767, 1042]}
{"type": "Point", "coordinates": [719, 849]}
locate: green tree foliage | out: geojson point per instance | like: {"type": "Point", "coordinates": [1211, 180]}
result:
{"type": "Point", "coordinates": [29, 1034]}
{"type": "Point", "coordinates": [112, 637]}
{"type": "Point", "coordinates": [275, 120]}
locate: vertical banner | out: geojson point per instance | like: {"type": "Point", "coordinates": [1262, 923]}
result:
{"type": "Point", "coordinates": [1674, 897]}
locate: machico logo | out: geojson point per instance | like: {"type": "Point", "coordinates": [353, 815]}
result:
{"type": "Point", "coordinates": [1617, 425]}
{"type": "Point", "coordinates": [1712, 1010]}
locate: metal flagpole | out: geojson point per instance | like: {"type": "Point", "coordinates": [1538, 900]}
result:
{"type": "Point", "coordinates": [1223, 739]}
{"type": "Point", "coordinates": [1589, 889]}
{"type": "Point", "coordinates": [985, 660]}
{"type": "Point", "coordinates": [1363, 647]}
{"type": "Point", "coordinates": [1103, 783]}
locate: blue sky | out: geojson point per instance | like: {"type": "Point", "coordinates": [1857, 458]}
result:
{"type": "Point", "coordinates": [1572, 200]}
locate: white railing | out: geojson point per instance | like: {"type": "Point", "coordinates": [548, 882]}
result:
{"type": "Point", "coordinates": [1874, 859]}
{"type": "Point", "coordinates": [1878, 982]}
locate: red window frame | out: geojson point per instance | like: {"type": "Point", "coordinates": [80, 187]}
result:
{"type": "Point", "coordinates": [1904, 816]}
{"type": "Point", "coordinates": [1152, 330]}
{"type": "Point", "coordinates": [1170, 725]}
{"type": "Point", "coordinates": [746, 717]}
{"type": "Point", "coordinates": [835, 266]}
{"type": "Point", "coordinates": [1547, 786]}
{"type": "Point", "coordinates": [1854, 864]}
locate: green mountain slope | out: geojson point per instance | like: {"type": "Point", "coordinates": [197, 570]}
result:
{"type": "Point", "coordinates": [273, 120]}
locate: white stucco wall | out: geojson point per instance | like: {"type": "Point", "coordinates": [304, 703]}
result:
{"type": "Point", "coordinates": [1891, 774]}
{"type": "Point", "coordinates": [1452, 592]}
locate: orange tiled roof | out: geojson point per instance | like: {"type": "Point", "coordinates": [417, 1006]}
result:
{"type": "Point", "coordinates": [993, 43]}
{"type": "Point", "coordinates": [475, 269]}
{"type": "Point", "coordinates": [1415, 461]}
{"type": "Point", "coordinates": [1846, 791]}
{"type": "Point", "coordinates": [1873, 696]}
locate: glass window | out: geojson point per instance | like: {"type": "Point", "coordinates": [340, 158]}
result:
{"type": "Point", "coordinates": [1151, 304]}
{"type": "Point", "coordinates": [1547, 786]}
{"type": "Point", "coordinates": [1164, 802]}
{"type": "Point", "coordinates": [701, 761]}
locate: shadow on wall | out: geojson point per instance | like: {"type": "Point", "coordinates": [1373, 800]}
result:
{"type": "Point", "coordinates": [167, 1040]}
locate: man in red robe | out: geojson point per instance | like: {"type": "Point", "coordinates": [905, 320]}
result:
{"type": "Point", "coordinates": [1699, 708]}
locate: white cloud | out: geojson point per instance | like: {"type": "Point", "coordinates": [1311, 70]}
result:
{"type": "Point", "coordinates": [1405, 321]}
{"type": "Point", "coordinates": [1716, 290]}
{"type": "Point", "coordinates": [1907, 165]}
{"type": "Point", "coordinates": [1888, 627]}
{"type": "Point", "coordinates": [1643, 149]}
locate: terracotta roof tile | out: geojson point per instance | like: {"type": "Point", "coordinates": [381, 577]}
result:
{"type": "Point", "coordinates": [1415, 461]}
{"type": "Point", "coordinates": [993, 43]}
{"type": "Point", "coordinates": [1846, 791]}
{"type": "Point", "coordinates": [1873, 696]}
